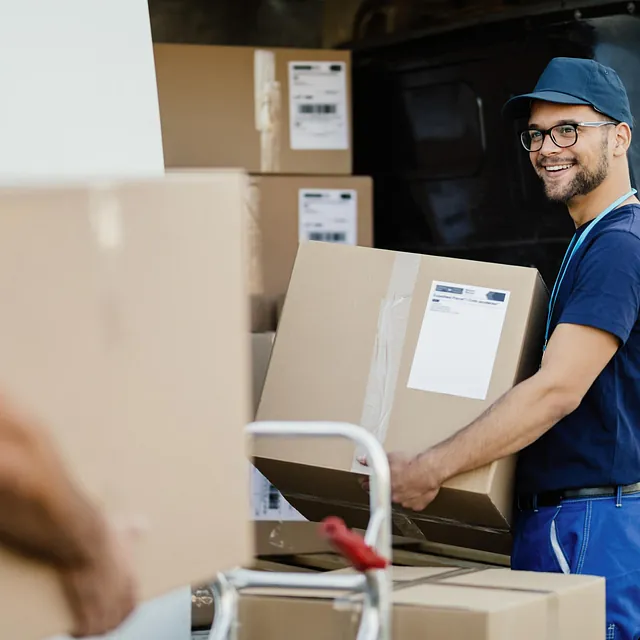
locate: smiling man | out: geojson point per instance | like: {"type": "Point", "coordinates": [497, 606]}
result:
{"type": "Point", "coordinates": [576, 422]}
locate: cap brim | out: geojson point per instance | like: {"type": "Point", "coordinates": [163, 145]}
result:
{"type": "Point", "coordinates": [518, 106]}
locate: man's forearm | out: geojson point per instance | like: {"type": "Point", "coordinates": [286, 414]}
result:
{"type": "Point", "coordinates": [519, 418]}
{"type": "Point", "coordinates": [42, 515]}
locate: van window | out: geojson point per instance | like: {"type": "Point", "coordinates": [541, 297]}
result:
{"type": "Point", "coordinates": [445, 121]}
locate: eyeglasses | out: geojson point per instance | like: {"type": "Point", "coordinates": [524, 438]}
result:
{"type": "Point", "coordinates": [563, 135]}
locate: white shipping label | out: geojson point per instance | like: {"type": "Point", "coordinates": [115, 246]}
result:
{"type": "Point", "coordinates": [328, 215]}
{"type": "Point", "coordinates": [459, 340]}
{"type": "Point", "coordinates": [318, 106]}
{"type": "Point", "coordinates": [268, 503]}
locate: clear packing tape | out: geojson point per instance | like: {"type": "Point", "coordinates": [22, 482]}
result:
{"type": "Point", "coordinates": [106, 218]}
{"type": "Point", "coordinates": [387, 350]}
{"type": "Point", "coordinates": [253, 243]}
{"type": "Point", "coordinates": [268, 109]}
{"type": "Point", "coordinates": [107, 226]}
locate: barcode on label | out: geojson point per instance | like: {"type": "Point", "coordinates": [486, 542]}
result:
{"type": "Point", "coordinates": [327, 236]}
{"type": "Point", "coordinates": [318, 109]}
{"type": "Point", "coordinates": [274, 498]}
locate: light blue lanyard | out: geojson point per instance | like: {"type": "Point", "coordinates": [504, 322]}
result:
{"type": "Point", "coordinates": [574, 245]}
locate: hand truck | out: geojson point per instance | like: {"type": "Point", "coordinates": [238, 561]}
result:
{"type": "Point", "coordinates": [370, 556]}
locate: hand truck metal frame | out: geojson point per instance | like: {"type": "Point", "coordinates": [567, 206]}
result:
{"type": "Point", "coordinates": [373, 584]}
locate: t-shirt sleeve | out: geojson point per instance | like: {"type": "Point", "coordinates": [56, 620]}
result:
{"type": "Point", "coordinates": [606, 290]}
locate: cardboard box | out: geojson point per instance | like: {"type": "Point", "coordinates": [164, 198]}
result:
{"type": "Point", "coordinates": [112, 336]}
{"type": "Point", "coordinates": [279, 529]}
{"type": "Point", "coordinates": [264, 110]}
{"type": "Point", "coordinates": [288, 538]}
{"type": "Point", "coordinates": [203, 604]}
{"type": "Point", "coordinates": [442, 604]}
{"type": "Point", "coordinates": [261, 345]}
{"type": "Point", "coordinates": [412, 348]}
{"type": "Point", "coordinates": [268, 503]}
{"type": "Point", "coordinates": [287, 210]}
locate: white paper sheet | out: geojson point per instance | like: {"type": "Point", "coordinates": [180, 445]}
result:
{"type": "Point", "coordinates": [79, 94]}
{"type": "Point", "coordinates": [459, 340]}
{"type": "Point", "coordinates": [268, 503]}
{"type": "Point", "coordinates": [328, 215]}
{"type": "Point", "coordinates": [318, 105]}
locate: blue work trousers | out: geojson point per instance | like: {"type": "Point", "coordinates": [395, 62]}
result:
{"type": "Point", "coordinates": [592, 536]}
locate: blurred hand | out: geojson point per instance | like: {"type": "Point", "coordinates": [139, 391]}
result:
{"type": "Point", "coordinates": [103, 592]}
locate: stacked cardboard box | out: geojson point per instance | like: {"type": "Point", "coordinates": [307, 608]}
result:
{"type": "Point", "coordinates": [283, 115]}
{"type": "Point", "coordinates": [287, 210]}
{"type": "Point", "coordinates": [282, 111]}
{"type": "Point", "coordinates": [441, 604]}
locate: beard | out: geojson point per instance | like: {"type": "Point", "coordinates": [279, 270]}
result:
{"type": "Point", "coordinates": [583, 182]}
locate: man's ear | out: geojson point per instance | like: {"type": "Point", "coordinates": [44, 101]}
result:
{"type": "Point", "coordinates": [622, 139]}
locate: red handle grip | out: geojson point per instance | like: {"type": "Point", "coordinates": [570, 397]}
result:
{"type": "Point", "coordinates": [351, 545]}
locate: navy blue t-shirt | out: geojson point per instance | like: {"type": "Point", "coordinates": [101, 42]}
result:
{"type": "Point", "coordinates": [599, 443]}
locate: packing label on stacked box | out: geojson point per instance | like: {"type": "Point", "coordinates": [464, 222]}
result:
{"type": "Point", "coordinates": [318, 105]}
{"type": "Point", "coordinates": [328, 215]}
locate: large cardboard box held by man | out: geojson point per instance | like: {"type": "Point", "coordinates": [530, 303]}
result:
{"type": "Point", "coordinates": [113, 337]}
{"type": "Point", "coordinates": [287, 210]}
{"type": "Point", "coordinates": [412, 348]}
{"type": "Point", "coordinates": [441, 604]}
{"type": "Point", "coordinates": [264, 110]}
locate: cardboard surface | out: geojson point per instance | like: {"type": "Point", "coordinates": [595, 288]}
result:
{"type": "Point", "coordinates": [202, 602]}
{"type": "Point", "coordinates": [279, 209]}
{"type": "Point", "coordinates": [287, 538]}
{"type": "Point", "coordinates": [442, 604]}
{"type": "Point", "coordinates": [231, 106]}
{"type": "Point", "coordinates": [112, 336]}
{"type": "Point", "coordinates": [279, 529]}
{"type": "Point", "coordinates": [261, 345]}
{"type": "Point", "coordinates": [79, 95]}
{"type": "Point", "coordinates": [347, 341]}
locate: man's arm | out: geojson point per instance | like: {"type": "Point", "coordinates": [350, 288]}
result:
{"type": "Point", "coordinates": [42, 515]}
{"type": "Point", "coordinates": [574, 358]}
{"type": "Point", "coordinates": [600, 314]}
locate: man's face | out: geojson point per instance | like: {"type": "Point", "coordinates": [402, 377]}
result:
{"type": "Point", "coordinates": [576, 170]}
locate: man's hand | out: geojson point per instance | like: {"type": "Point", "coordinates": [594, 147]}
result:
{"type": "Point", "coordinates": [102, 591]}
{"type": "Point", "coordinates": [414, 484]}
{"type": "Point", "coordinates": [414, 481]}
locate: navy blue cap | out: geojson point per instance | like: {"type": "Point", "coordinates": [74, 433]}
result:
{"type": "Point", "coordinates": [577, 81]}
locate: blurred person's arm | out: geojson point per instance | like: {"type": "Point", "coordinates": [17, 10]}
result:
{"type": "Point", "coordinates": [45, 517]}
{"type": "Point", "coordinates": [42, 515]}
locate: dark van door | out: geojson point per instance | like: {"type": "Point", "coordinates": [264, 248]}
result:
{"type": "Point", "coordinates": [450, 175]}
